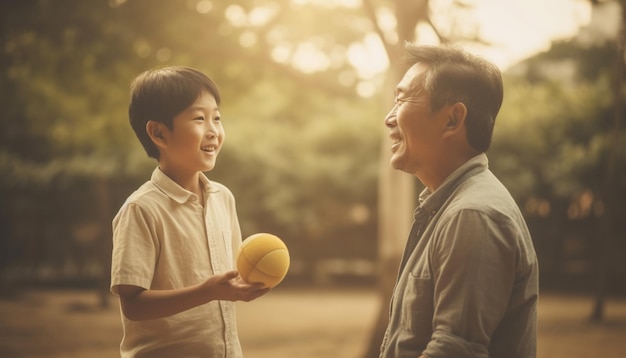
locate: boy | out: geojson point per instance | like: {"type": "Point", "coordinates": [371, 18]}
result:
{"type": "Point", "coordinates": [174, 238]}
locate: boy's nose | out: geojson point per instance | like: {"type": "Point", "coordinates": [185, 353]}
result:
{"type": "Point", "coordinates": [212, 130]}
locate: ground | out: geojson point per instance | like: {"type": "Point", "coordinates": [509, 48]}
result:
{"type": "Point", "coordinates": [288, 322]}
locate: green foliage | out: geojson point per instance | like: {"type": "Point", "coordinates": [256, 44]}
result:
{"type": "Point", "coordinates": [301, 170]}
{"type": "Point", "coordinates": [548, 130]}
{"type": "Point", "coordinates": [301, 149]}
{"type": "Point", "coordinates": [557, 130]}
{"type": "Point", "coordinates": [552, 147]}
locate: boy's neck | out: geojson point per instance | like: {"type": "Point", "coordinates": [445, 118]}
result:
{"type": "Point", "coordinates": [190, 182]}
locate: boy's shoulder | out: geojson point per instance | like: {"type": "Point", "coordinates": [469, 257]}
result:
{"type": "Point", "coordinates": [143, 195]}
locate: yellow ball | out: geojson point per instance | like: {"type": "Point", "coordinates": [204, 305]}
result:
{"type": "Point", "coordinates": [263, 258]}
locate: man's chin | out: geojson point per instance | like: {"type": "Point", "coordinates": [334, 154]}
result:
{"type": "Point", "coordinates": [396, 163]}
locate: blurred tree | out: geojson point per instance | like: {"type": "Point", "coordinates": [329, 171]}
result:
{"type": "Point", "coordinates": [615, 158]}
{"type": "Point", "coordinates": [65, 141]}
{"type": "Point", "coordinates": [303, 106]}
{"type": "Point", "coordinates": [563, 149]}
{"type": "Point", "coordinates": [574, 159]}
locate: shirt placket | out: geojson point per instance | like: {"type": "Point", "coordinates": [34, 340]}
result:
{"type": "Point", "coordinates": [218, 267]}
{"type": "Point", "coordinates": [421, 219]}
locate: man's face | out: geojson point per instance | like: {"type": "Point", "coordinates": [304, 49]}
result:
{"type": "Point", "coordinates": [415, 133]}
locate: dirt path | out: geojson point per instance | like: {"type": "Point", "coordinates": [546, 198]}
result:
{"type": "Point", "coordinates": [288, 323]}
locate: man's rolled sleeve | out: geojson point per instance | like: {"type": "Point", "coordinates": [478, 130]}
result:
{"type": "Point", "coordinates": [445, 345]}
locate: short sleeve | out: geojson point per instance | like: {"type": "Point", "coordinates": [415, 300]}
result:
{"type": "Point", "coordinates": [135, 247]}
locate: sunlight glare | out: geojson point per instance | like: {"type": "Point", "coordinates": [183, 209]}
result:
{"type": "Point", "coordinates": [329, 3]}
{"type": "Point", "coordinates": [368, 57]}
{"type": "Point", "coordinates": [366, 89]}
{"type": "Point", "coordinates": [236, 15]}
{"type": "Point", "coordinates": [519, 28]}
{"type": "Point", "coordinates": [309, 59]}
{"type": "Point", "coordinates": [388, 23]}
{"type": "Point", "coordinates": [426, 35]}
{"type": "Point", "coordinates": [204, 6]}
{"type": "Point", "coordinates": [281, 52]}
{"type": "Point", "coordinates": [260, 15]}
{"type": "Point", "coordinates": [513, 29]}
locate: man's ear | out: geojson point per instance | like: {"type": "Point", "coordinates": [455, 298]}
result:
{"type": "Point", "coordinates": [155, 131]}
{"type": "Point", "coordinates": [456, 116]}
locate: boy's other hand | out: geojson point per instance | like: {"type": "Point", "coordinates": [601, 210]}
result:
{"type": "Point", "coordinates": [230, 286]}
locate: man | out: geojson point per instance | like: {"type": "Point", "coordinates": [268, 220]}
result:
{"type": "Point", "coordinates": [468, 279]}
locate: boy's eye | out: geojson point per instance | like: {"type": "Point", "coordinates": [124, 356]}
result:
{"type": "Point", "coordinates": [199, 118]}
{"type": "Point", "coordinates": [217, 118]}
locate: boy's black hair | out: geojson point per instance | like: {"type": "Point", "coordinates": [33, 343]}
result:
{"type": "Point", "coordinates": [161, 94]}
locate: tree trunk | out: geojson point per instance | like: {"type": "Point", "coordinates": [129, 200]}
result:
{"type": "Point", "coordinates": [396, 190]}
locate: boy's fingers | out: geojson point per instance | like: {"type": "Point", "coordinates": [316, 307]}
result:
{"type": "Point", "coordinates": [258, 287]}
{"type": "Point", "coordinates": [229, 276]}
{"type": "Point", "coordinates": [250, 286]}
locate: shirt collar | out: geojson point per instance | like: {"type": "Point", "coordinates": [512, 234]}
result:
{"type": "Point", "coordinates": [175, 191]}
{"type": "Point", "coordinates": [431, 201]}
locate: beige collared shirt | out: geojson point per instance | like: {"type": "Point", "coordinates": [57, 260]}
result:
{"type": "Point", "coordinates": [163, 238]}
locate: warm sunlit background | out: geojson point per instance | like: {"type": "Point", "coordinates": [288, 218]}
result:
{"type": "Point", "coordinates": [305, 87]}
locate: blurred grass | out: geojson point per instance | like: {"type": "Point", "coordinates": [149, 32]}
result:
{"type": "Point", "coordinates": [288, 322]}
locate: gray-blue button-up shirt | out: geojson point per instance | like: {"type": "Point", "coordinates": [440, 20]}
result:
{"type": "Point", "coordinates": [468, 282]}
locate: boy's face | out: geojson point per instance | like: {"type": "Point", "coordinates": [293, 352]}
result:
{"type": "Point", "coordinates": [195, 139]}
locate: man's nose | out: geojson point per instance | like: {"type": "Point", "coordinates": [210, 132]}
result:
{"type": "Point", "coordinates": [391, 118]}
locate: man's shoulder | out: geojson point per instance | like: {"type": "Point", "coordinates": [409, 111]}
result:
{"type": "Point", "coordinates": [485, 193]}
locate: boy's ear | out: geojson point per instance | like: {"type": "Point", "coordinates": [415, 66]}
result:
{"type": "Point", "coordinates": [155, 132]}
